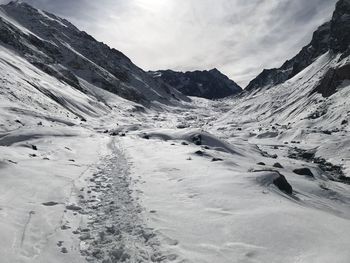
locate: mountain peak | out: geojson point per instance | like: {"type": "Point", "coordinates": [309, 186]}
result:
{"type": "Point", "coordinates": [332, 36]}
{"type": "Point", "coordinates": [210, 84]}
{"type": "Point", "coordinates": [56, 47]}
{"type": "Point", "coordinates": [16, 2]}
{"type": "Point", "coordinates": [215, 70]}
{"type": "Point", "coordinates": [19, 3]}
{"type": "Point", "coordinates": [340, 27]}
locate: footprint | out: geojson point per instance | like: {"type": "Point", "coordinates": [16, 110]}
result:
{"type": "Point", "coordinates": [59, 243]}
{"type": "Point", "coordinates": [172, 257]}
{"type": "Point", "coordinates": [171, 242]}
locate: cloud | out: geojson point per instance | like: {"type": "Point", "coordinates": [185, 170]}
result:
{"type": "Point", "coordinates": [239, 37]}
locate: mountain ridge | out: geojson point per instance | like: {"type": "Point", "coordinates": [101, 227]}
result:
{"type": "Point", "coordinates": [102, 163]}
{"type": "Point", "coordinates": [58, 48]}
{"type": "Point", "coordinates": [209, 84]}
{"type": "Point", "coordinates": [332, 36]}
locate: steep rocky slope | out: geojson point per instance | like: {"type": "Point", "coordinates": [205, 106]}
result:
{"type": "Point", "coordinates": [210, 84]}
{"type": "Point", "coordinates": [58, 48]}
{"type": "Point", "coordinates": [90, 176]}
{"type": "Point", "coordinates": [333, 36]}
{"type": "Point", "coordinates": [304, 104]}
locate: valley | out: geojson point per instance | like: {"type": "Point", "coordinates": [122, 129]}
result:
{"type": "Point", "coordinates": [102, 162]}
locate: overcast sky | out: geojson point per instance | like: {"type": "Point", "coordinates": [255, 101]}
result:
{"type": "Point", "coordinates": [239, 37]}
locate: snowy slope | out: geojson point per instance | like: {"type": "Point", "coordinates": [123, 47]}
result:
{"type": "Point", "coordinates": [87, 175]}
{"type": "Point", "coordinates": [58, 48]}
{"type": "Point", "coordinates": [332, 36]}
{"type": "Point", "coordinates": [311, 106]}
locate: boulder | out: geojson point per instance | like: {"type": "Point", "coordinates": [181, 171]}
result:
{"type": "Point", "coordinates": [277, 165]}
{"type": "Point", "coordinates": [282, 184]}
{"type": "Point", "coordinates": [304, 171]}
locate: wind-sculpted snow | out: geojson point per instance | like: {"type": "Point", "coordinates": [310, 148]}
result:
{"type": "Point", "coordinates": [293, 112]}
{"type": "Point", "coordinates": [23, 135]}
{"type": "Point", "coordinates": [196, 137]}
{"type": "Point", "coordinates": [205, 193]}
{"type": "Point", "coordinates": [89, 176]}
{"type": "Point", "coordinates": [229, 211]}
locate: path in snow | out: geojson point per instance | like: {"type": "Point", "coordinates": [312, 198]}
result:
{"type": "Point", "coordinates": [115, 230]}
{"type": "Point", "coordinates": [154, 194]}
{"type": "Point", "coordinates": [223, 211]}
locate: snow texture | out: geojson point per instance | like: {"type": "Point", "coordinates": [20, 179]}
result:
{"type": "Point", "coordinates": [89, 174]}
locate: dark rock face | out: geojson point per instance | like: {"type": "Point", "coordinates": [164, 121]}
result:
{"type": "Point", "coordinates": [340, 27]}
{"type": "Point", "coordinates": [317, 47]}
{"type": "Point", "coordinates": [332, 36]}
{"type": "Point", "coordinates": [304, 171]}
{"type": "Point", "coordinates": [332, 80]}
{"type": "Point", "coordinates": [197, 139]}
{"type": "Point", "coordinates": [277, 165]}
{"type": "Point", "coordinates": [217, 160]}
{"type": "Point", "coordinates": [61, 50]}
{"type": "Point", "coordinates": [282, 184]}
{"type": "Point", "coordinates": [210, 84]}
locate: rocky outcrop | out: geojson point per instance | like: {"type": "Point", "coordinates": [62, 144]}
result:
{"type": "Point", "coordinates": [304, 171]}
{"type": "Point", "coordinates": [332, 36]}
{"type": "Point", "coordinates": [282, 184]}
{"type": "Point", "coordinates": [61, 50]}
{"type": "Point", "coordinates": [340, 28]}
{"type": "Point", "coordinates": [210, 84]}
{"type": "Point", "coordinates": [332, 80]}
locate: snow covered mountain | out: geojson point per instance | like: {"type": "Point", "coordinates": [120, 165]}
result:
{"type": "Point", "coordinates": [56, 47]}
{"type": "Point", "coordinates": [100, 162]}
{"type": "Point", "coordinates": [333, 36]}
{"type": "Point", "coordinates": [305, 101]}
{"type": "Point", "coordinates": [210, 84]}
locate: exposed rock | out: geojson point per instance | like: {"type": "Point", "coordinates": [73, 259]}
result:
{"type": "Point", "coordinates": [61, 50]}
{"type": "Point", "coordinates": [277, 165]}
{"type": "Point", "coordinates": [304, 171]}
{"type": "Point", "coordinates": [197, 139]}
{"type": "Point", "coordinates": [340, 27]}
{"type": "Point", "coordinates": [290, 68]}
{"type": "Point", "coordinates": [309, 155]}
{"type": "Point", "coordinates": [73, 207]}
{"type": "Point", "coordinates": [182, 126]}
{"type": "Point", "coordinates": [201, 153]}
{"type": "Point", "coordinates": [332, 80]}
{"type": "Point", "coordinates": [282, 184]}
{"type": "Point", "coordinates": [332, 36]}
{"type": "Point", "coordinates": [51, 203]}
{"type": "Point", "coordinates": [210, 84]}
